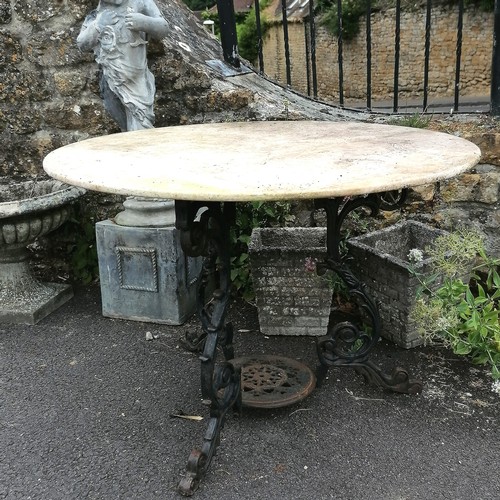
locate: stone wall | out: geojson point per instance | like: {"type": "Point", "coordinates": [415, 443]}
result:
{"type": "Point", "coordinates": [49, 90]}
{"type": "Point", "coordinates": [473, 198]}
{"type": "Point", "coordinates": [49, 97]}
{"type": "Point", "coordinates": [475, 60]}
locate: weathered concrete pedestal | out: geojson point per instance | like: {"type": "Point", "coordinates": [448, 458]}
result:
{"type": "Point", "coordinates": [23, 298]}
{"type": "Point", "coordinates": [144, 274]}
{"type": "Point", "coordinates": [29, 210]}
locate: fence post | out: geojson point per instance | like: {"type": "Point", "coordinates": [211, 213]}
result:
{"type": "Point", "coordinates": [495, 64]}
{"type": "Point", "coordinates": [229, 41]}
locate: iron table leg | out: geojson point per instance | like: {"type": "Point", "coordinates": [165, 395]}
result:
{"type": "Point", "coordinates": [204, 231]}
{"type": "Point", "coordinates": [351, 338]}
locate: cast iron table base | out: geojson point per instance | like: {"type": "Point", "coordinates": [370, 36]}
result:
{"type": "Point", "coordinates": [270, 381]}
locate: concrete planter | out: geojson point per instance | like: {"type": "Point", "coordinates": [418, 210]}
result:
{"type": "Point", "coordinates": [29, 210]}
{"type": "Point", "coordinates": [380, 261]}
{"type": "Point", "coordinates": [290, 299]}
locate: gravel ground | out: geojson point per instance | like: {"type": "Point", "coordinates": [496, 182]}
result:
{"type": "Point", "coordinates": [85, 404]}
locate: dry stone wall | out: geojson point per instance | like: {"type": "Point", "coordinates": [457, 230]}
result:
{"type": "Point", "coordinates": [469, 199]}
{"type": "Point", "coordinates": [475, 59]}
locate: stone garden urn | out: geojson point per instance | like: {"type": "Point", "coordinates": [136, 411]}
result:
{"type": "Point", "coordinates": [29, 210]}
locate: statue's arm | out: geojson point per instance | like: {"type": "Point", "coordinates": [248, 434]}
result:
{"type": "Point", "coordinates": [89, 33]}
{"type": "Point", "coordinates": [149, 20]}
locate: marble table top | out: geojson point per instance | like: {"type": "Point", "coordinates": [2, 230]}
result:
{"type": "Point", "coordinates": [262, 160]}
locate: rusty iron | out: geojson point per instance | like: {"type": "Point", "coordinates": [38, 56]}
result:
{"type": "Point", "coordinates": [269, 381]}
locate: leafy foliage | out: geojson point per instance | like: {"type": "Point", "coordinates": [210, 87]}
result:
{"type": "Point", "coordinates": [196, 5]}
{"type": "Point", "coordinates": [464, 316]}
{"type": "Point", "coordinates": [352, 10]}
{"type": "Point", "coordinates": [80, 240]}
{"type": "Point", "coordinates": [484, 5]}
{"type": "Point", "coordinates": [248, 216]}
{"type": "Point", "coordinates": [246, 30]}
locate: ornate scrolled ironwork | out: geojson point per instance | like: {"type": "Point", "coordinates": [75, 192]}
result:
{"type": "Point", "coordinates": [204, 231]}
{"type": "Point", "coordinates": [352, 340]}
{"type": "Point", "coordinates": [352, 336]}
{"type": "Point", "coordinates": [392, 200]}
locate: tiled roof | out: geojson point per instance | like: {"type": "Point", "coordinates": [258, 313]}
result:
{"type": "Point", "coordinates": [295, 10]}
{"type": "Point", "coordinates": [243, 5]}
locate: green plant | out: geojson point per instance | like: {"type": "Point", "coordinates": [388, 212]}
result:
{"type": "Point", "coordinates": [207, 15]}
{"type": "Point", "coordinates": [246, 30]}
{"type": "Point", "coordinates": [464, 316]}
{"type": "Point", "coordinates": [415, 120]}
{"type": "Point", "coordinates": [195, 5]}
{"type": "Point", "coordinates": [484, 5]}
{"type": "Point", "coordinates": [352, 10]}
{"type": "Point", "coordinates": [80, 241]}
{"type": "Point", "coordinates": [248, 216]}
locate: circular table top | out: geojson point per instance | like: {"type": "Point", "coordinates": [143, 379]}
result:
{"type": "Point", "coordinates": [246, 161]}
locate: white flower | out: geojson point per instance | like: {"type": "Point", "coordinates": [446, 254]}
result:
{"type": "Point", "coordinates": [415, 255]}
{"type": "Point", "coordinates": [442, 324]}
{"type": "Point", "coordinates": [495, 387]}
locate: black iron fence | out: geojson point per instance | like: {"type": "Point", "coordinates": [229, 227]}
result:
{"type": "Point", "coordinates": [229, 42]}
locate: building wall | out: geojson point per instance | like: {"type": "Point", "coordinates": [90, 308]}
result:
{"type": "Point", "coordinates": [475, 61]}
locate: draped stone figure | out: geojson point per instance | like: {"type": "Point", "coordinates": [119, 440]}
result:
{"type": "Point", "coordinates": [117, 31]}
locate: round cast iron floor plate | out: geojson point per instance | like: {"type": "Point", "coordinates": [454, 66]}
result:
{"type": "Point", "coordinates": [269, 381]}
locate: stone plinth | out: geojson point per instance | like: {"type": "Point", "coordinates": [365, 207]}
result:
{"type": "Point", "coordinates": [380, 261]}
{"type": "Point", "coordinates": [144, 274]}
{"type": "Point", "coordinates": [29, 210]}
{"type": "Point", "coordinates": [291, 300]}
{"type": "Point", "coordinates": [24, 299]}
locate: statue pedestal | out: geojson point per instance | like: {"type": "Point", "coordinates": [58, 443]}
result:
{"type": "Point", "coordinates": [23, 298]}
{"type": "Point", "coordinates": [144, 274]}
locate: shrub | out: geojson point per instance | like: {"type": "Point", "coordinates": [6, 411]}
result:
{"type": "Point", "coordinates": [464, 316]}
{"type": "Point", "coordinates": [248, 42]}
{"type": "Point", "coordinates": [352, 10]}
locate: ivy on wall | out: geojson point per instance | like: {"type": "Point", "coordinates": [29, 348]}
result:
{"type": "Point", "coordinates": [354, 10]}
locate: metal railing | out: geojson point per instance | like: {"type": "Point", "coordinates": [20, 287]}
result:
{"type": "Point", "coordinates": [226, 10]}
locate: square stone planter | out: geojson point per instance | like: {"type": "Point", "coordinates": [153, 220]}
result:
{"type": "Point", "coordinates": [290, 299]}
{"type": "Point", "coordinates": [380, 261]}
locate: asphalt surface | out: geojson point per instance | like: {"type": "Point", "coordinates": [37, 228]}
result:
{"type": "Point", "coordinates": [85, 404]}
{"type": "Point", "coordinates": [438, 105]}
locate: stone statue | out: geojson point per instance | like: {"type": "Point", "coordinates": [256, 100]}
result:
{"type": "Point", "coordinates": [117, 32]}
